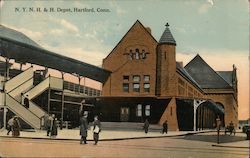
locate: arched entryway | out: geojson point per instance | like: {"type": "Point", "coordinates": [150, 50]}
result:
{"type": "Point", "coordinates": [205, 117]}
{"type": "Point", "coordinates": [206, 114]}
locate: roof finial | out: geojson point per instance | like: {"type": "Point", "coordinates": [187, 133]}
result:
{"type": "Point", "coordinates": [167, 25]}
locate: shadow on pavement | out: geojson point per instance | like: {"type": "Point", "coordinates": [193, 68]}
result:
{"type": "Point", "coordinates": [213, 138]}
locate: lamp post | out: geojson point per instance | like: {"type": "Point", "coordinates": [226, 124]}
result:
{"type": "Point", "coordinates": [218, 122]}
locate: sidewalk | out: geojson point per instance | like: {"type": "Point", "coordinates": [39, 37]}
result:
{"type": "Point", "coordinates": [240, 144]}
{"type": "Point", "coordinates": [111, 135]}
{"type": "Point", "coordinates": [73, 134]}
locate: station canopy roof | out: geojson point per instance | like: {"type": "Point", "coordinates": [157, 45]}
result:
{"type": "Point", "coordinates": [214, 106]}
{"type": "Point", "coordinates": [15, 45]}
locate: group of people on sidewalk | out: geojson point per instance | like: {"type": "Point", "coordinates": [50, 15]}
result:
{"type": "Point", "coordinates": [164, 127]}
{"type": "Point", "coordinates": [50, 123]}
{"type": "Point", "coordinates": [14, 126]}
{"type": "Point", "coordinates": [84, 128]}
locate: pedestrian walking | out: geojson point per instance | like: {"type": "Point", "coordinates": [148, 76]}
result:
{"type": "Point", "coordinates": [10, 125]}
{"type": "Point", "coordinates": [16, 127]}
{"type": "Point", "coordinates": [49, 124]}
{"type": "Point", "coordinates": [54, 127]}
{"type": "Point", "coordinates": [165, 127]}
{"type": "Point", "coordinates": [146, 126]}
{"type": "Point", "coordinates": [84, 127]}
{"type": "Point", "coordinates": [96, 129]}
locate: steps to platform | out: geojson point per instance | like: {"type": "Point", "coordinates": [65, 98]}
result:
{"type": "Point", "coordinates": [23, 112]}
{"type": "Point", "coordinates": [15, 89]}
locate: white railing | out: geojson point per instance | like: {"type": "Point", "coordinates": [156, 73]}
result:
{"type": "Point", "coordinates": [38, 89]}
{"type": "Point", "coordinates": [36, 109]}
{"type": "Point", "coordinates": [1, 99]}
{"type": "Point", "coordinates": [18, 80]}
{"type": "Point", "coordinates": [16, 93]}
{"type": "Point", "coordinates": [22, 112]}
{"type": "Point", "coordinates": [56, 83]}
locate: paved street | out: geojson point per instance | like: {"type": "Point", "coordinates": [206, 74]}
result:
{"type": "Point", "coordinates": [193, 146]}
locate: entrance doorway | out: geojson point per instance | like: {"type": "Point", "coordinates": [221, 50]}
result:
{"type": "Point", "coordinates": [124, 114]}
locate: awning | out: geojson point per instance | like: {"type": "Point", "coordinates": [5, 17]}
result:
{"type": "Point", "coordinates": [211, 104]}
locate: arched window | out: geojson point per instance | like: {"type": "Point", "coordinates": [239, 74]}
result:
{"type": "Point", "coordinates": [147, 110]}
{"type": "Point", "coordinates": [131, 55]}
{"type": "Point", "coordinates": [143, 54]}
{"type": "Point", "coordinates": [137, 54]}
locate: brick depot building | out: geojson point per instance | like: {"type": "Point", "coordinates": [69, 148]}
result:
{"type": "Point", "coordinates": [147, 82]}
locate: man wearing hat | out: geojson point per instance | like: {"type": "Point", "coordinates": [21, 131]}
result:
{"type": "Point", "coordinates": [84, 127]}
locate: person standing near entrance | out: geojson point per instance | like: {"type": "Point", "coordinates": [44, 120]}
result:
{"type": "Point", "coordinates": [165, 127]}
{"type": "Point", "coordinates": [146, 126]}
{"type": "Point", "coordinates": [96, 129]}
{"type": "Point", "coordinates": [54, 127]}
{"type": "Point", "coordinates": [9, 126]}
{"type": "Point", "coordinates": [84, 127]}
{"type": "Point", "coordinates": [48, 124]}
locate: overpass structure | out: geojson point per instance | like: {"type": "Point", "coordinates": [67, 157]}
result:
{"type": "Point", "coordinates": [30, 94]}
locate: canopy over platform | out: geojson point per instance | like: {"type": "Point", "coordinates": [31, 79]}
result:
{"type": "Point", "coordinates": [214, 106]}
{"type": "Point", "coordinates": [17, 46]}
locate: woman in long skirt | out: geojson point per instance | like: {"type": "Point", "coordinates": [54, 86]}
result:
{"type": "Point", "coordinates": [16, 127]}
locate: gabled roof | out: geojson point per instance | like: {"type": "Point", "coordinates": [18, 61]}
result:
{"type": "Point", "coordinates": [204, 75]}
{"type": "Point", "coordinates": [181, 70]}
{"type": "Point", "coordinates": [136, 23]}
{"type": "Point", "coordinates": [227, 76]}
{"type": "Point", "coordinates": [16, 45]}
{"type": "Point", "coordinates": [167, 37]}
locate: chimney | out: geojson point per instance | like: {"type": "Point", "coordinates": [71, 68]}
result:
{"type": "Point", "coordinates": [148, 29]}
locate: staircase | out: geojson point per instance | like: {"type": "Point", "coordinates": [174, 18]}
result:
{"type": "Point", "coordinates": [49, 82]}
{"type": "Point", "coordinates": [25, 114]}
{"type": "Point", "coordinates": [14, 89]}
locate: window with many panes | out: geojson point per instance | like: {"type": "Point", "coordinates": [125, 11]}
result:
{"type": "Point", "coordinates": [146, 78]}
{"type": "Point", "coordinates": [125, 87]}
{"type": "Point", "coordinates": [139, 110]}
{"type": "Point", "coordinates": [136, 78]}
{"type": "Point", "coordinates": [146, 87]}
{"type": "Point", "coordinates": [125, 78]}
{"type": "Point", "coordinates": [136, 87]}
{"type": "Point", "coordinates": [147, 110]}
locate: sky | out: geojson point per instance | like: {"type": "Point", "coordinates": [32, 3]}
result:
{"type": "Point", "coordinates": [217, 30]}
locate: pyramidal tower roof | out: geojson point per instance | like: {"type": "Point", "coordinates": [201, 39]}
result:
{"type": "Point", "coordinates": [167, 37]}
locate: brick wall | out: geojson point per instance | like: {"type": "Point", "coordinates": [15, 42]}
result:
{"type": "Point", "coordinates": [230, 105]}
{"type": "Point", "coordinates": [166, 70]}
{"type": "Point", "coordinates": [120, 64]}
{"type": "Point", "coordinates": [170, 115]}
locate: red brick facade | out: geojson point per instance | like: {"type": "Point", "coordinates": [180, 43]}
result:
{"type": "Point", "coordinates": [142, 67]}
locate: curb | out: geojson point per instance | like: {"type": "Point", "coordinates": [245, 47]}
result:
{"type": "Point", "coordinates": [227, 146]}
{"type": "Point", "coordinates": [108, 139]}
